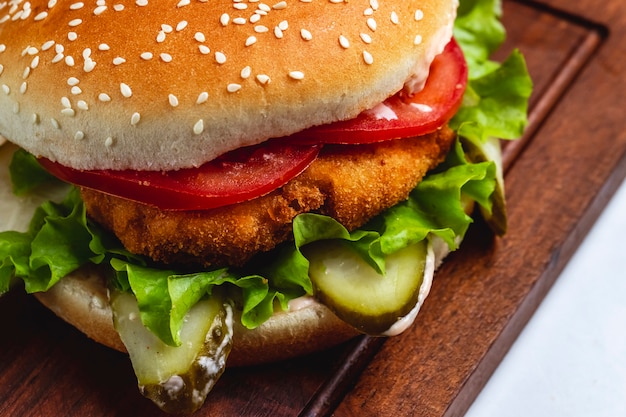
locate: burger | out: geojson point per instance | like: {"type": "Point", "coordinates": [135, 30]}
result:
{"type": "Point", "coordinates": [249, 182]}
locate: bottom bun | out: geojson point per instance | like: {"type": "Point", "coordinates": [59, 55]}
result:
{"type": "Point", "coordinates": [308, 326]}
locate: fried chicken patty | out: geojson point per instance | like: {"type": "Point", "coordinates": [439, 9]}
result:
{"type": "Point", "coordinates": [351, 183]}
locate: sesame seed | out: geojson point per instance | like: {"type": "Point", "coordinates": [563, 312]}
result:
{"type": "Point", "coordinates": [173, 100]}
{"type": "Point", "coordinates": [167, 28]}
{"type": "Point", "coordinates": [79, 135]}
{"type": "Point", "coordinates": [181, 25]}
{"type": "Point", "coordinates": [77, 6]}
{"type": "Point", "coordinates": [23, 87]}
{"type": "Point", "coordinates": [336, 1]}
{"type": "Point", "coordinates": [251, 40]}
{"type": "Point", "coordinates": [240, 6]}
{"type": "Point", "coordinates": [69, 61]}
{"type": "Point", "coordinates": [41, 16]}
{"type": "Point", "coordinates": [263, 79]}
{"type": "Point", "coordinates": [418, 39]}
{"type": "Point", "coordinates": [220, 58]}
{"type": "Point", "coordinates": [183, 3]}
{"type": "Point", "coordinates": [344, 42]}
{"type": "Point", "coordinates": [108, 142]}
{"type": "Point", "coordinates": [47, 45]}
{"type": "Point", "coordinates": [76, 90]}
{"type": "Point", "coordinates": [68, 112]}
{"type": "Point", "coordinates": [199, 36]}
{"type": "Point", "coordinates": [394, 18]}
{"type": "Point", "coordinates": [296, 75]}
{"type": "Point", "coordinates": [6, 89]}
{"type": "Point", "coordinates": [65, 102]}
{"type": "Point", "coordinates": [57, 58]}
{"type": "Point", "coordinates": [118, 7]}
{"type": "Point", "coordinates": [26, 73]}
{"type": "Point", "coordinates": [278, 33]}
{"type": "Point", "coordinates": [72, 36]}
{"type": "Point", "coordinates": [59, 48]}
{"type": "Point", "coordinates": [72, 81]}
{"type": "Point", "coordinates": [1, 69]}
{"type": "Point", "coordinates": [35, 62]}
{"type": "Point", "coordinates": [35, 118]}
{"type": "Point", "coordinates": [261, 29]}
{"type": "Point", "coordinates": [224, 19]}
{"type": "Point", "coordinates": [141, 3]}
{"type": "Point", "coordinates": [165, 57]}
{"type": "Point", "coordinates": [233, 88]}
{"type": "Point", "coordinates": [202, 97]}
{"type": "Point", "coordinates": [255, 18]}
{"type": "Point", "coordinates": [135, 118]}
{"type": "Point", "coordinates": [99, 10]}
{"type": "Point", "coordinates": [306, 35]}
{"type": "Point", "coordinates": [264, 7]}
{"type": "Point", "coordinates": [89, 65]}
{"type": "Point", "coordinates": [368, 12]}
{"type": "Point", "coordinates": [104, 47]}
{"type": "Point", "coordinates": [284, 25]}
{"type": "Point", "coordinates": [280, 5]}
{"type": "Point", "coordinates": [16, 108]}
{"type": "Point", "coordinates": [246, 72]}
{"type": "Point", "coordinates": [419, 15]}
{"type": "Point", "coordinates": [125, 90]}
{"type": "Point", "coordinates": [371, 23]}
{"type": "Point", "coordinates": [75, 22]}
{"type": "Point", "coordinates": [374, 4]}
{"type": "Point", "coordinates": [204, 50]}
{"type": "Point", "coordinates": [118, 60]}
{"type": "Point", "coordinates": [104, 97]}
{"type": "Point", "coordinates": [55, 123]}
{"type": "Point", "coordinates": [82, 104]}
{"type": "Point", "coordinates": [368, 58]}
{"type": "Point", "coordinates": [160, 37]}
{"type": "Point", "coordinates": [31, 50]}
{"type": "Point", "coordinates": [239, 21]}
{"type": "Point", "coordinates": [366, 38]}
{"type": "Point", "coordinates": [146, 56]}
{"type": "Point", "coordinates": [198, 128]}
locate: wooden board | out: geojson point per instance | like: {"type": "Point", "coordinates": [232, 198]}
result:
{"type": "Point", "coordinates": [559, 179]}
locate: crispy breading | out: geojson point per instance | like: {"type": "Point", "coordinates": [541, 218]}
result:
{"type": "Point", "coordinates": [351, 183]}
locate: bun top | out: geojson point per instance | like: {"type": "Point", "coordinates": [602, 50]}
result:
{"type": "Point", "coordinates": [154, 85]}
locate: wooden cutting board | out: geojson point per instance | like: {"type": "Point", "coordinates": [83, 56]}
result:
{"type": "Point", "coordinates": [559, 178]}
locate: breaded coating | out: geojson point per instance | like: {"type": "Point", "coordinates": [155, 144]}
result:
{"type": "Point", "coordinates": [351, 183]}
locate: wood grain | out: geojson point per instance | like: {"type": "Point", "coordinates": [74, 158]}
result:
{"type": "Point", "coordinates": [559, 178]}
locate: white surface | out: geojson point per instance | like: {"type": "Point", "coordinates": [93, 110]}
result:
{"type": "Point", "coordinates": [570, 360]}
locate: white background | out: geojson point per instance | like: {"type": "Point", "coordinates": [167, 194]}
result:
{"type": "Point", "coordinates": [570, 360]}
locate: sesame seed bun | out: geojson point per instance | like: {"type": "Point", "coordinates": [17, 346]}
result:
{"type": "Point", "coordinates": [154, 85]}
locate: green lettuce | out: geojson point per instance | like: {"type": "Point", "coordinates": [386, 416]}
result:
{"type": "Point", "coordinates": [61, 238]}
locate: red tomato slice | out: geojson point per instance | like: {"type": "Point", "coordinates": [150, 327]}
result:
{"type": "Point", "coordinates": [416, 115]}
{"type": "Point", "coordinates": [237, 176]}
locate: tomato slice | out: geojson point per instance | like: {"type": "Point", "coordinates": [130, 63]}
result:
{"type": "Point", "coordinates": [237, 176]}
{"type": "Point", "coordinates": [401, 115]}
{"type": "Point", "coordinates": [251, 172]}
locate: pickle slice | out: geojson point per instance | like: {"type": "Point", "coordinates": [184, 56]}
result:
{"type": "Point", "coordinates": [177, 379]}
{"type": "Point", "coordinates": [357, 293]}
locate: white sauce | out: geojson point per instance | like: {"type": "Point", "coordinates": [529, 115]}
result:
{"type": "Point", "coordinates": [382, 111]}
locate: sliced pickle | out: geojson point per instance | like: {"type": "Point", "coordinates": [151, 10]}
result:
{"type": "Point", "coordinates": [177, 379]}
{"type": "Point", "coordinates": [357, 293]}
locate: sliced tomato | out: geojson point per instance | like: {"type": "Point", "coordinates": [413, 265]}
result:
{"type": "Point", "coordinates": [251, 172]}
{"type": "Point", "coordinates": [402, 115]}
{"type": "Point", "coordinates": [237, 176]}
